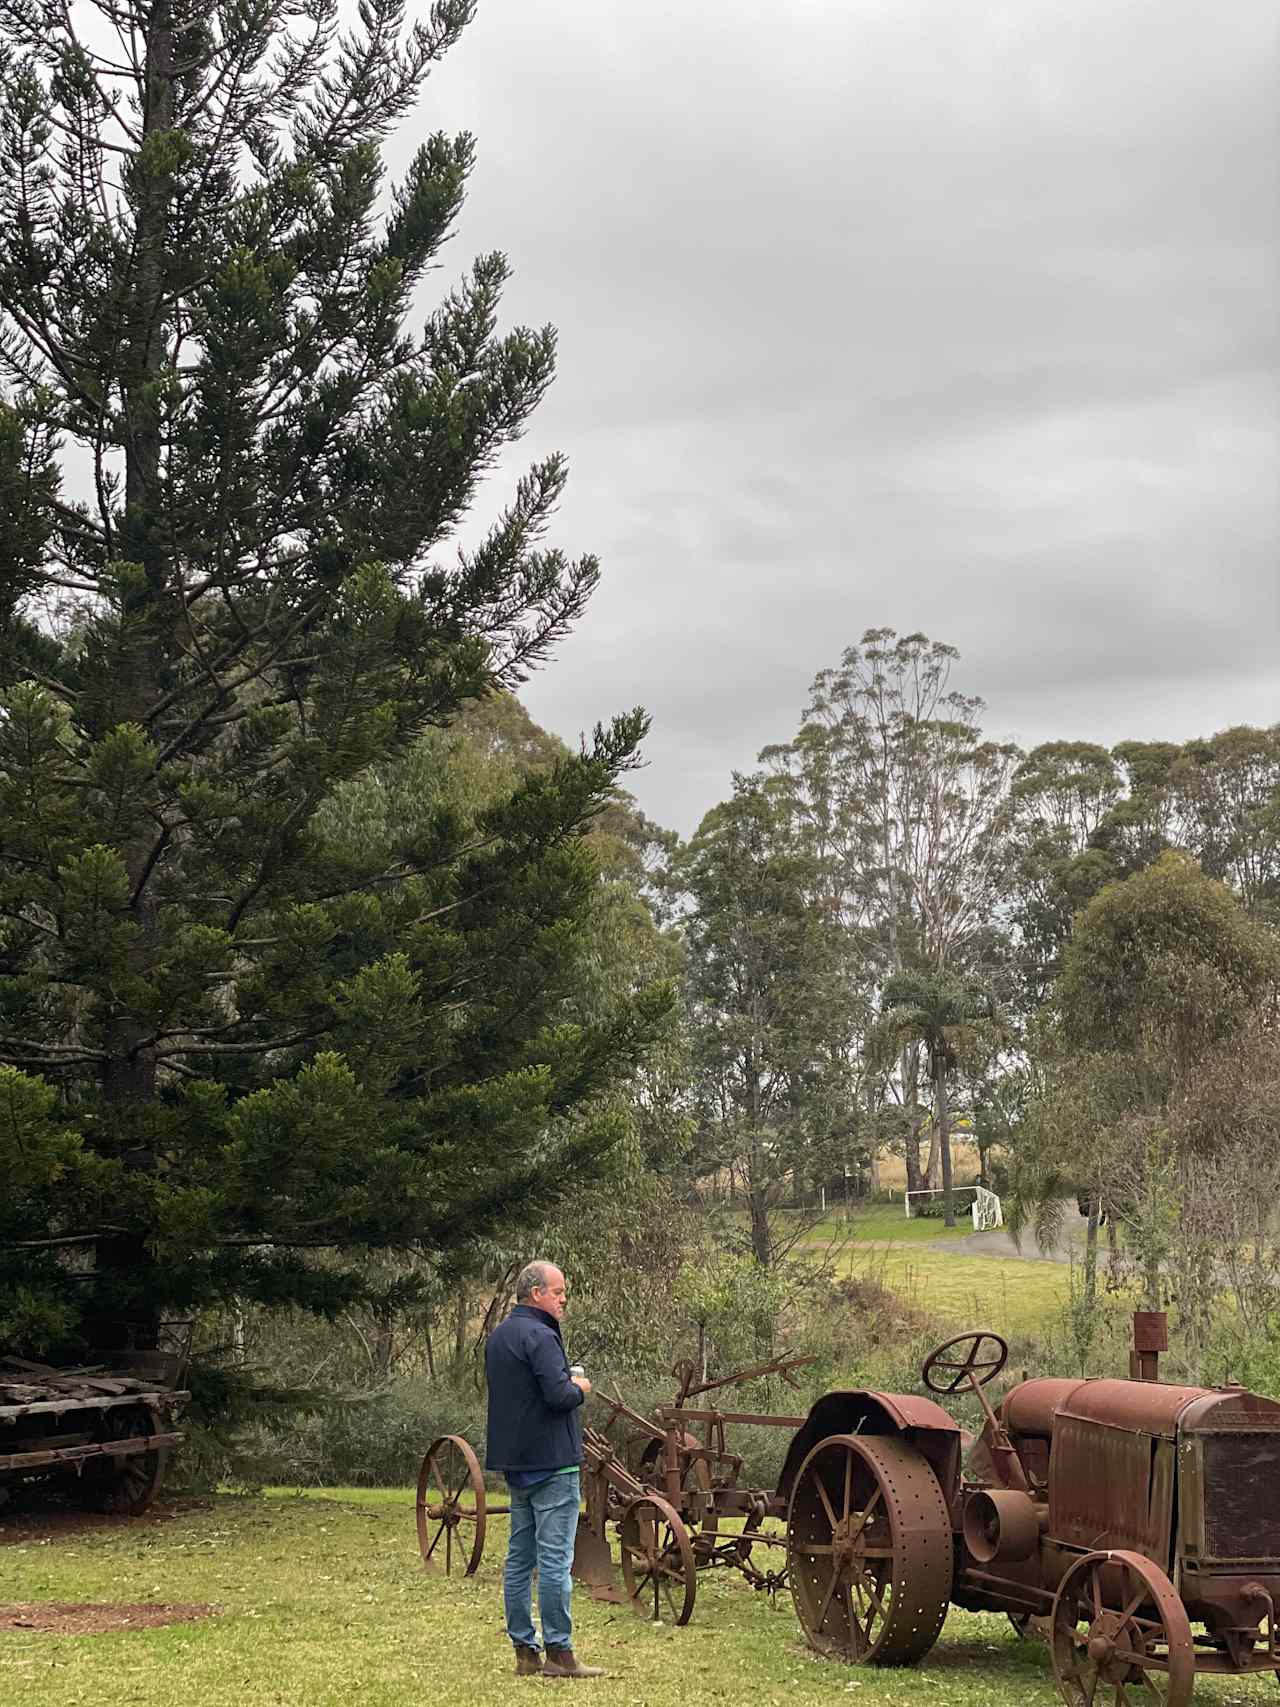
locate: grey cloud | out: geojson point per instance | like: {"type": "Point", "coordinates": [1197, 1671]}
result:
{"type": "Point", "coordinates": [924, 312]}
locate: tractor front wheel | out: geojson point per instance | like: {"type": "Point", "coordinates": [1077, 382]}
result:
{"type": "Point", "coordinates": [1120, 1635]}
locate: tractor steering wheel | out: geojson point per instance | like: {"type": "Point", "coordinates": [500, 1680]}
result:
{"type": "Point", "coordinates": [969, 1365]}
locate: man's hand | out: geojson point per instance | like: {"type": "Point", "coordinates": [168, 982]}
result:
{"type": "Point", "coordinates": [581, 1381]}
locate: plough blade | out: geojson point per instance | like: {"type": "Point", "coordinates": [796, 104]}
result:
{"type": "Point", "coordinates": [593, 1565]}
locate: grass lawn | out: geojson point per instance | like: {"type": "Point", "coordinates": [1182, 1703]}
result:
{"type": "Point", "coordinates": [323, 1601]}
{"type": "Point", "coordinates": [884, 1223]}
{"type": "Point", "coordinates": [1008, 1294]}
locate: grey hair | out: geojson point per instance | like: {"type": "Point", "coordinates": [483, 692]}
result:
{"type": "Point", "coordinates": [530, 1278]}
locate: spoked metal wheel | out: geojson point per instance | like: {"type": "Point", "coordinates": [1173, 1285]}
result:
{"type": "Point", "coordinates": [126, 1486]}
{"type": "Point", "coordinates": [657, 1560]}
{"type": "Point", "coordinates": [869, 1550]}
{"type": "Point", "coordinates": [1120, 1635]}
{"type": "Point", "coordinates": [451, 1506]}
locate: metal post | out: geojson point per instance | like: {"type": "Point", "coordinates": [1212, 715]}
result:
{"type": "Point", "coordinates": [1150, 1338]}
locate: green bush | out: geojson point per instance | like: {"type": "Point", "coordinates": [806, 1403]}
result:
{"type": "Point", "coordinates": [935, 1208]}
{"type": "Point", "coordinates": [378, 1441]}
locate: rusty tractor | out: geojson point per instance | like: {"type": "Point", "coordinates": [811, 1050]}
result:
{"type": "Point", "coordinates": [1139, 1521]}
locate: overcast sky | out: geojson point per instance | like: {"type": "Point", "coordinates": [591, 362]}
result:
{"type": "Point", "coordinates": [953, 315]}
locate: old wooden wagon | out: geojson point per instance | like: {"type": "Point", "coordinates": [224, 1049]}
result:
{"type": "Point", "coordinates": [102, 1429]}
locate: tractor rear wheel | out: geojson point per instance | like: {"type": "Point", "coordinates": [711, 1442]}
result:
{"type": "Point", "coordinates": [869, 1550]}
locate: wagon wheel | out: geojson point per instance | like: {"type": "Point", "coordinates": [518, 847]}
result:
{"type": "Point", "coordinates": [869, 1550]}
{"type": "Point", "coordinates": [1135, 1644]}
{"type": "Point", "coordinates": [451, 1505]}
{"type": "Point", "coordinates": [969, 1357]}
{"type": "Point", "coordinates": [126, 1486]}
{"type": "Point", "coordinates": [657, 1560]}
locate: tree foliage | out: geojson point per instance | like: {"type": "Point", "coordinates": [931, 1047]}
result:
{"type": "Point", "coordinates": [252, 1023]}
{"type": "Point", "coordinates": [947, 1016]}
{"type": "Point", "coordinates": [772, 1008]}
{"type": "Point", "coordinates": [1167, 985]}
{"type": "Point", "coordinates": [904, 804]}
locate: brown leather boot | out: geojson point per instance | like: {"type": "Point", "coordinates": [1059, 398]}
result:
{"type": "Point", "coordinates": [528, 1661]}
{"type": "Point", "coordinates": [562, 1662]}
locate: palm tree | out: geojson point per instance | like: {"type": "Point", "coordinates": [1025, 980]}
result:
{"type": "Point", "coordinates": [945, 1015]}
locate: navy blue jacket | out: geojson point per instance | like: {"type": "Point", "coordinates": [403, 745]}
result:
{"type": "Point", "coordinates": [534, 1408]}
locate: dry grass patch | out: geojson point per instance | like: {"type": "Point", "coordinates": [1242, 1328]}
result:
{"type": "Point", "coordinates": [57, 1618]}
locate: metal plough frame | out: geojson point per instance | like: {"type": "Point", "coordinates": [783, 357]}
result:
{"type": "Point", "coordinates": [665, 1510]}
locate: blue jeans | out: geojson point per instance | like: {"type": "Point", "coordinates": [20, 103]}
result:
{"type": "Point", "coordinates": [544, 1524]}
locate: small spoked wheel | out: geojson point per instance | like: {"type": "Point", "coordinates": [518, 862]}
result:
{"type": "Point", "coordinates": [1120, 1635]}
{"type": "Point", "coordinates": [657, 1560]}
{"type": "Point", "coordinates": [869, 1550]}
{"type": "Point", "coordinates": [451, 1506]}
{"type": "Point", "coordinates": [125, 1486]}
{"type": "Point", "coordinates": [976, 1356]}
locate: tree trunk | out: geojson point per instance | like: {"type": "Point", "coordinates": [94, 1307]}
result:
{"type": "Point", "coordinates": [911, 1158]}
{"type": "Point", "coordinates": [1084, 1317]}
{"type": "Point", "coordinates": [943, 1123]}
{"type": "Point", "coordinates": [911, 1107]}
{"type": "Point", "coordinates": [761, 1245]}
{"type": "Point", "coordinates": [757, 1168]}
{"type": "Point", "coordinates": [382, 1347]}
{"type": "Point", "coordinates": [1091, 1253]}
{"type": "Point", "coordinates": [1113, 1243]}
{"type": "Point", "coordinates": [129, 1072]}
{"type": "Point", "coordinates": [461, 1319]}
{"type": "Point", "coordinates": [933, 1167]}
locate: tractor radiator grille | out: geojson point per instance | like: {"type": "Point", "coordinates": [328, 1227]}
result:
{"type": "Point", "coordinates": [1242, 1496]}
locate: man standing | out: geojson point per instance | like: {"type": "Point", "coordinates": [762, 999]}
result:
{"type": "Point", "coordinates": [535, 1439]}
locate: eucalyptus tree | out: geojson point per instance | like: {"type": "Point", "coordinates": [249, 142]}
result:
{"type": "Point", "coordinates": [906, 804]}
{"type": "Point", "coordinates": [1229, 786]}
{"type": "Point", "coordinates": [237, 1047]}
{"type": "Point", "coordinates": [772, 1007]}
{"type": "Point", "coordinates": [1061, 796]}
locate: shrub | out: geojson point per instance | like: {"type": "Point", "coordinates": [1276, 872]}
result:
{"type": "Point", "coordinates": [935, 1208]}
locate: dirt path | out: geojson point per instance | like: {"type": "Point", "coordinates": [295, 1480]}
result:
{"type": "Point", "coordinates": [999, 1242]}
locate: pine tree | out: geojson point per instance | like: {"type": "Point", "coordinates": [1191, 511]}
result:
{"type": "Point", "coordinates": [239, 1044]}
